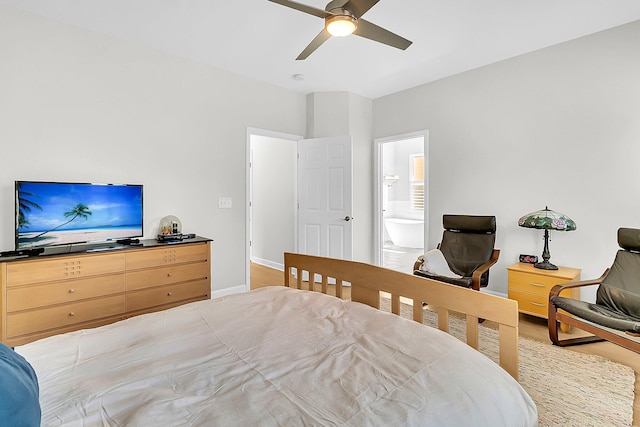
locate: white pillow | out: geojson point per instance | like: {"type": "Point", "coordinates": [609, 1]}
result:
{"type": "Point", "coordinates": [435, 263]}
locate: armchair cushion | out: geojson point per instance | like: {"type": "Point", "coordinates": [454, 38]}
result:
{"type": "Point", "coordinates": [469, 223]}
{"type": "Point", "coordinates": [616, 306]}
{"type": "Point", "coordinates": [597, 314]}
{"type": "Point", "coordinates": [467, 247]}
{"type": "Point", "coordinates": [620, 289]}
{"type": "Point", "coordinates": [629, 239]}
{"type": "Point", "coordinates": [625, 303]}
{"type": "Point", "coordinates": [618, 297]}
{"type": "Point", "coordinates": [465, 282]}
{"type": "Point", "coordinates": [463, 252]}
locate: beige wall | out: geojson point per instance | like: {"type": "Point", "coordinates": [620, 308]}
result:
{"type": "Point", "coordinates": [346, 114]}
{"type": "Point", "coordinates": [557, 127]}
{"type": "Point", "coordinates": [77, 106]}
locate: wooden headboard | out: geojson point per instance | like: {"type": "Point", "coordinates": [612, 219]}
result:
{"type": "Point", "coordinates": [367, 281]}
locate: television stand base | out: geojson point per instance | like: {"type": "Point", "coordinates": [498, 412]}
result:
{"type": "Point", "coordinates": [22, 252]}
{"type": "Point", "coordinates": [127, 241]}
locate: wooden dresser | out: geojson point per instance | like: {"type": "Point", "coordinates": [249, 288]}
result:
{"type": "Point", "coordinates": [48, 295]}
{"type": "Point", "coordinates": [530, 286]}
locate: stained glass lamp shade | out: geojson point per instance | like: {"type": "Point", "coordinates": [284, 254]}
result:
{"type": "Point", "coordinates": [546, 220]}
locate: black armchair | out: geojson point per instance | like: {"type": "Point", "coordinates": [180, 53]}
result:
{"type": "Point", "coordinates": [468, 247]}
{"type": "Point", "coordinates": [615, 316]}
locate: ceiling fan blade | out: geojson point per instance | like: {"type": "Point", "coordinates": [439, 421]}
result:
{"type": "Point", "coordinates": [315, 43]}
{"type": "Point", "coordinates": [359, 7]}
{"type": "Point", "coordinates": [303, 8]}
{"type": "Point", "coordinates": [371, 31]}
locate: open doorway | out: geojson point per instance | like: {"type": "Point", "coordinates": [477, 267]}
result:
{"type": "Point", "coordinates": [271, 199]}
{"type": "Point", "coordinates": [278, 215]}
{"type": "Point", "coordinates": [401, 216]}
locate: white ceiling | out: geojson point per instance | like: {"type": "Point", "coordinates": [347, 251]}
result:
{"type": "Point", "coordinates": [261, 39]}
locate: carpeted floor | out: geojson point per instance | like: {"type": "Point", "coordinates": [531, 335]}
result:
{"type": "Point", "coordinates": [569, 388]}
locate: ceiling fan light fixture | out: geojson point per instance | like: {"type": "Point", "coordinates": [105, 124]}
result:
{"type": "Point", "coordinates": [341, 25]}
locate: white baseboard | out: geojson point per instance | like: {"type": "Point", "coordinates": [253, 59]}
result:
{"type": "Point", "coordinates": [489, 291]}
{"type": "Point", "coordinates": [228, 291]}
{"type": "Point", "coordinates": [268, 263]}
{"type": "Point", "coordinates": [244, 288]}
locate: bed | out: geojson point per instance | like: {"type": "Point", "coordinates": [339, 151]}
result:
{"type": "Point", "coordinates": [285, 356]}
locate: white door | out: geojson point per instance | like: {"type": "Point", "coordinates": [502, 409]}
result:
{"type": "Point", "coordinates": [325, 197]}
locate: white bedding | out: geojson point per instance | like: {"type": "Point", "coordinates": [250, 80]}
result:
{"type": "Point", "coordinates": [273, 356]}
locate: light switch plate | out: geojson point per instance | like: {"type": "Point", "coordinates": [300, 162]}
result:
{"type": "Point", "coordinates": [224, 203]}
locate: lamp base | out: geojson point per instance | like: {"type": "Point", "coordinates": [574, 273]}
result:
{"type": "Point", "coordinates": [545, 265]}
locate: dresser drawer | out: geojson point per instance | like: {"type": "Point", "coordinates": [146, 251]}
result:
{"type": "Point", "coordinates": [63, 268]}
{"type": "Point", "coordinates": [27, 322]}
{"type": "Point", "coordinates": [144, 299]}
{"type": "Point", "coordinates": [167, 255]}
{"type": "Point", "coordinates": [27, 297]}
{"type": "Point", "coordinates": [530, 303]}
{"type": "Point", "coordinates": [166, 275]}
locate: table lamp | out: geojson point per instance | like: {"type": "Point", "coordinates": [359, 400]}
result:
{"type": "Point", "coordinates": [546, 220]}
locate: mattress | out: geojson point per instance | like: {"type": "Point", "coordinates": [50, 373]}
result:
{"type": "Point", "coordinates": [271, 357]}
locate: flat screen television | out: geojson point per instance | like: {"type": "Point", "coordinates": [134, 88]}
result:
{"type": "Point", "coordinates": [67, 213]}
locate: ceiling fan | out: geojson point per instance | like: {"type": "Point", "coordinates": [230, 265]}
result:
{"type": "Point", "coordinates": [343, 17]}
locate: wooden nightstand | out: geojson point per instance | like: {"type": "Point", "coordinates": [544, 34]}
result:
{"type": "Point", "coordinates": [530, 286]}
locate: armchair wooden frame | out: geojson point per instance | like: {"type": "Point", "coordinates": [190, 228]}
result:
{"type": "Point", "coordinates": [600, 333]}
{"type": "Point", "coordinates": [477, 273]}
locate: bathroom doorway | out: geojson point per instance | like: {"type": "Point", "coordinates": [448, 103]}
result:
{"type": "Point", "coordinates": [401, 219]}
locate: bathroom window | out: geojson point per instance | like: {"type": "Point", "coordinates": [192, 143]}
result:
{"type": "Point", "coordinates": [416, 165]}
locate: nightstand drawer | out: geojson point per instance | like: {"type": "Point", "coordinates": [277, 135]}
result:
{"type": "Point", "coordinates": [529, 303]}
{"type": "Point", "coordinates": [533, 283]}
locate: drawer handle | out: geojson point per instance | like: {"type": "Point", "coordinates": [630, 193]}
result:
{"type": "Point", "coordinates": [539, 285]}
{"type": "Point", "coordinates": [72, 314]}
{"type": "Point", "coordinates": [169, 294]}
{"type": "Point", "coordinates": [169, 274]}
{"type": "Point", "coordinates": [537, 304]}
{"type": "Point", "coordinates": [71, 291]}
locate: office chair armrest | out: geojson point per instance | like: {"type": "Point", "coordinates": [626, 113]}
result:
{"type": "Point", "coordinates": [555, 291]}
{"type": "Point", "coordinates": [478, 272]}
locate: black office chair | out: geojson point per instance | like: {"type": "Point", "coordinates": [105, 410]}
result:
{"type": "Point", "coordinates": [468, 247]}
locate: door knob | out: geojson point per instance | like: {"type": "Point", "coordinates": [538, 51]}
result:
{"type": "Point", "coordinates": [347, 218]}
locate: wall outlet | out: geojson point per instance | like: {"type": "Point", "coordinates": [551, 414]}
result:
{"type": "Point", "coordinates": [224, 203]}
